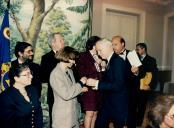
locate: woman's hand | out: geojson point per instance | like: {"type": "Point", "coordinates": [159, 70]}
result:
{"type": "Point", "coordinates": [84, 89]}
{"type": "Point", "coordinates": [83, 80]}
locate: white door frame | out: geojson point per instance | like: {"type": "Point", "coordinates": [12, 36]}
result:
{"type": "Point", "coordinates": [165, 35]}
{"type": "Point", "coordinates": [140, 13]}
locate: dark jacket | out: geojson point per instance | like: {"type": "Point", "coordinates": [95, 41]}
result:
{"type": "Point", "coordinates": [48, 63]}
{"type": "Point", "coordinates": [115, 96]}
{"type": "Point", "coordinates": [16, 112]}
{"type": "Point", "coordinates": [149, 65]}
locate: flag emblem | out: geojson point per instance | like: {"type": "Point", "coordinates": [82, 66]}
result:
{"type": "Point", "coordinates": [6, 33]}
{"type": "Point", "coordinates": [5, 53]}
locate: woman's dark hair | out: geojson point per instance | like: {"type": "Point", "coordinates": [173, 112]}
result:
{"type": "Point", "coordinates": [159, 108]}
{"type": "Point", "coordinates": [16, 71]}
{"type": "Point", "coordinates": [66, 53]}
{"type": "Point", "coordinates": [20, 47]}
{"type": "Point", "coordinates": [91, 42]}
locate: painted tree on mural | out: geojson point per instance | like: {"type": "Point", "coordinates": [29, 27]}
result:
{"type": "Point", "coordinates": [39, 13]}
{"type": "Point", "coordinates": [31, 33]}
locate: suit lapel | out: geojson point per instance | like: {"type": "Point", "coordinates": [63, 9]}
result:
{"type": "Point", "coordinates": [71, 76]}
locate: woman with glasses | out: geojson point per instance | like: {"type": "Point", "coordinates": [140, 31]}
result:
{"type": "Point", "coordinates": [20, 106]}
{"type": "Point", "coordinates": [65, 90]}
{"type": "Point", "coordinates": [161, 113]}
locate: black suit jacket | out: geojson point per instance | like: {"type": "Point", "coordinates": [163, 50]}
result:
{"type": "Point", "coordinates": [35, 69]}
{"type": "Point", "coordinates": [16, 112]}
{"type": "Point", "coordinates": [114, 87]}
{"type": "Point", "coordinates": [149, 65]}
{"type": "Point", "coordinates": [48, 63]}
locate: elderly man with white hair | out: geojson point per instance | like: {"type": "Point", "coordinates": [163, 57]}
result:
{"type": "Point", "coordinates": [115, 105]}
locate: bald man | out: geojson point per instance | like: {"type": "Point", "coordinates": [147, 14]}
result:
{"type": "Point", "coordinates": [133, 75]}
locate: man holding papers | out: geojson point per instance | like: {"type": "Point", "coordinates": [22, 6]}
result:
{"type": "Point", "coordinates": [134, 72]}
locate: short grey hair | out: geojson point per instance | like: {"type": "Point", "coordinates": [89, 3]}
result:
{"type": "Point", "coordinates": [51, 37]}
{"type": "Point", "coordinates": [105, 42]}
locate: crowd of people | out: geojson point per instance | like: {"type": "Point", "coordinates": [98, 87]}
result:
{"type": "Point", "coordinates": [108, 88]}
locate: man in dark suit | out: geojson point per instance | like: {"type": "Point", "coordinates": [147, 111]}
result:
{"type": "Point", "coordinates": [115, 98]}
{"type": "Point", "coordinates": [145, 94]}
{"type": "Point", "coordinates": [48, 63]}
{"type": "Point", "coordinates": [133, 74]}
{"type": "Point", "coordinates": [24, 54]}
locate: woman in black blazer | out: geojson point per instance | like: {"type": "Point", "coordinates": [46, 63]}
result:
{"type": "Point", "coordinates": [20, 106]}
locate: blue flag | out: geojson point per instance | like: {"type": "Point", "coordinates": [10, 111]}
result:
{"type": "Point", "coordinates": [5, 52]}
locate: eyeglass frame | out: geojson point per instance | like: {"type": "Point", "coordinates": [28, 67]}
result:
{"type": "Point", "coordinates": [28, 74]}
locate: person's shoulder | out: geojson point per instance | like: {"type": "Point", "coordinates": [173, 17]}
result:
{"type": "Point", "coordinates": [14, 62]}
{"type": "Point", "coordinates": [151, 58]}
{"type": "Point", "coordinates": [35, 65]}
{"type": "Point", "coordinates": [117, 57]}
{"type": "Point", "coordinates": [48, 54]}
{"type": "Point", "coordinates": [56, 68]}
{"type": "Point", "coordinates": [84, 54]}
{"type": "Point", "coordinates": [32, 91]}
{"type": "Point", "coordinates": [56, 71]}
{"type": "Point", "coordinates": [84, 57]}
{"type": "Point", "coordinates": [31, 88]}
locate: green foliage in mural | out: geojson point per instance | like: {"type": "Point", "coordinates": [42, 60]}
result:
{"type": "Point", "coordinates": [69, 1]}
{"type": "Point", "coordinates": [3, 6]}
{"type": "Point", "coordinates": [79, 40]}
{"type": "Point", "coordinates": [14, 7]}
{"type": "Point", "coordinates": [80, 37]}
{"type": "Point", "coordinates": [79, 9]}
{"type": "Point", "coordinates": [57, 22]}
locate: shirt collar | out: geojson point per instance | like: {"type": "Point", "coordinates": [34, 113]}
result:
{"type": "Point", "coordinates": [143, 56]}
{"type": "Point", "coordinates": [108, 59]}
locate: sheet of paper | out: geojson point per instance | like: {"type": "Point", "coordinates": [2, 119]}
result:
{"type": "Point", "coordinates": [134, 59]}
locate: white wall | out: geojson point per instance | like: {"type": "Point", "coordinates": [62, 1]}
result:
{"type": "Point", "coordinates": [154, 23]}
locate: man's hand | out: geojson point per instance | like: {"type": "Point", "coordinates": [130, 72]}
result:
{"type": "Point", "coordinates": [83, 80]}
{"type": "Point", "coordinates": [91, 82]}
{"type": "Point", "coordinates": [135, 70]}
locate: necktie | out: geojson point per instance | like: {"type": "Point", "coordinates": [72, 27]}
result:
{"type": "Point", "coordinates": [122, 53]}
{"type": "Point", "coordinates": [68, 75]}
{"type": "Point", "coordinates": [141, 58]}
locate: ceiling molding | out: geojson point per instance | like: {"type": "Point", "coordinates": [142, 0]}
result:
{"type": "Point", "coordinates": [161, 2]}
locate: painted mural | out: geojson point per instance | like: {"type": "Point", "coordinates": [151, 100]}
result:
{"type": "Point", "coordinates": [33, 20]}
